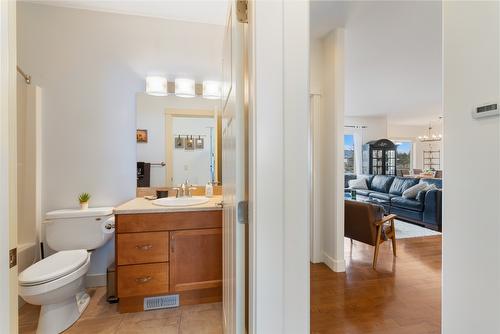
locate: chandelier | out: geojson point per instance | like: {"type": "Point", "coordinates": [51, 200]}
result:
{"type": "Point", "coordinates": [430, 136]}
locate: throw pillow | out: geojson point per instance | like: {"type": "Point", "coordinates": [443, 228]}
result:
{"type": "Point", "coordinates": [430, 186]}
{"type": "Point", "coordinates": [412, 192]}
{"type": "Point", "coordinates": [358, 184]}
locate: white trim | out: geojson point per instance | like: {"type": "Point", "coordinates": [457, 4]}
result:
{"type": "Point", "coordinates": [315, 179]}
{"type": "Point", "coordinates": [337, 266]}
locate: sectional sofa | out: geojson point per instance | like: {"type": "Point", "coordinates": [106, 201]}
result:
{"type": "Point", "coordinates": [425, 209]}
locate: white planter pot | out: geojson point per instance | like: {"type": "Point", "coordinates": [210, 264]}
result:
{"type": "Point", "coordinates": [84, 206]}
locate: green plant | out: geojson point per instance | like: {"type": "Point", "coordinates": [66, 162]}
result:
{"type": "Point", "coordinates": [84, 197]}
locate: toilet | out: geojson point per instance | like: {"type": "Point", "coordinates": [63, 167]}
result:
{"type": "Point", "coordinates": [57, 282]}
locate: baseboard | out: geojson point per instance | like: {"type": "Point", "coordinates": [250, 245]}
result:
{"type": "Point", "coordinates": [95, 280]}
{"type": "Point", "coordinates": [337, 266]}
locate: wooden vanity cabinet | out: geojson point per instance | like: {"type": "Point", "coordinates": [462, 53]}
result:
{"type": "Point", "coordinates": [168, 253]}
{"type": "Point", "coordinates": [202, 249]}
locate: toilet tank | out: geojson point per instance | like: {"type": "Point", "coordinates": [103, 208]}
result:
{"type": "Point", "coordinates": [79, 229]}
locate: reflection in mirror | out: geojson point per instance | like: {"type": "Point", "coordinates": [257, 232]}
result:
{"type": "Point", "coordinates": [177, 140]}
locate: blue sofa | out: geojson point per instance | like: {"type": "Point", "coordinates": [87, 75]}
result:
{"type": "Point", "coordinates": [387, 190]}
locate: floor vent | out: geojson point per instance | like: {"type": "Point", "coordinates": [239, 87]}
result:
{"type": "Point", "coordinates": [155, 303]}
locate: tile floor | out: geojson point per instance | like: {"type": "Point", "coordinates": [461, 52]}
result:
{"type": "Point", "coordinates": [102, 317]}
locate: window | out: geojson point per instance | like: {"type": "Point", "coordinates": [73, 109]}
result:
{"type": "Point", "coordinates": [349, 153]}
{"type": "Point", "coordinates": [403, 155]}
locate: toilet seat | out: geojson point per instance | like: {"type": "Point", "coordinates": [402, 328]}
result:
{"type": "Point", "coordinates": [32, 290]}
{"type": "Point", "coordinates": [53, 267]}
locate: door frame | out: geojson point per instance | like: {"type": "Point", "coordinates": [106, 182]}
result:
{"type": "Point", "coordinates": [8, 166]}
{"type": "Point", "coordinates": [278, 166]}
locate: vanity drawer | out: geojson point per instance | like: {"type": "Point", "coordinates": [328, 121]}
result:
{"type": "Point", "coordinates": [142, 279]}
{"type": "Point", "coordinates": [136, 248]}
{"type": "Point", "coordinates": [149, 222]}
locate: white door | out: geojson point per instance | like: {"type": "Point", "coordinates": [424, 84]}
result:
{"type": "Point", "coordinates": [233, 173]}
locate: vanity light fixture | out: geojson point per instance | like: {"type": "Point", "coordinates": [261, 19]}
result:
{"type": "Point", "coordinates": [211, 89]}
{"type": "Point", "coordinates": [156, 86]}
{"type": "Point", "coordinates": [185, 87]}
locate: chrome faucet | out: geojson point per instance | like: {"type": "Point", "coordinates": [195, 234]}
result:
{"type": "Point", "coordinates": [184, 190]}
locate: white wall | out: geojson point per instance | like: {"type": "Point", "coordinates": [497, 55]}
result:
{"type": "Point", "coordinates": [90, 65]}
{"type": "Point", "coordinates": [316, 66]}
{"type": "Point", "coordinates": [151, 116]}
{"type": "Point", "coordinates": [376, 127]}
{"type": "Point", "coordinates": [393, 59]}
{"type": "Point", "coordinates": [471, 216]}
{"type": "Point", "coordinates": [193, 165]}
{"type": "Point", "coordinates": [411, 133]}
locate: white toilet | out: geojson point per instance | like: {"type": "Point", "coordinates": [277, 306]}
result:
{"type": "Point", "coordinates": [57, 282]}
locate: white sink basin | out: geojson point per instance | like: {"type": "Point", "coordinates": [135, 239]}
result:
{"type": "Point", "coordinates": [181, 201]}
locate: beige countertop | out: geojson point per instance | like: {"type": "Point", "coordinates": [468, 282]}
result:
{"type": "Point", "coordinates": [142, 205]}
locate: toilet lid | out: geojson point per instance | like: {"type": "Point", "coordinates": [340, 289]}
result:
{"type": "Point", "coordinates": [53, 267]}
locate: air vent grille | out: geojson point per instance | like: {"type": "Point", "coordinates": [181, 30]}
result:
{"type": "Point", "coordinates": [155, 303]}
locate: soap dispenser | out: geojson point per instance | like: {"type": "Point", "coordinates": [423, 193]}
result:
{"type": "Point", "coordinates": [209, 190]}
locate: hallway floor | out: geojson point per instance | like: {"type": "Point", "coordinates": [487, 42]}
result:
{"type": "Point", "coordinates": [100, 317]}
{"type": "Point", "coordinates": [402, 297]}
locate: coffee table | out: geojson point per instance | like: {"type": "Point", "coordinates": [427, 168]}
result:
{"type": "Point", "coordinates": [382, 202]}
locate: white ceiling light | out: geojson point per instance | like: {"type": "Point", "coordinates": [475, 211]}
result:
{"type": "Point", "coordinates": [185, 88]}
{"type": "Point", "coordinates": [211, 89]}
{"type": "Point", "coordinates": [156, 86]}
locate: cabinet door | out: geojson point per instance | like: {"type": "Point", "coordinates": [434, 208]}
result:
{"type": "Point", "coordinates": [195, 259]}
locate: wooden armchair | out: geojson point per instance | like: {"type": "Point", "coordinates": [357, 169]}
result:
{"type": "Point", "coordinates": [365, 222]}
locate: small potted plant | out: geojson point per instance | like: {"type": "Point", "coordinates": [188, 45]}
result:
{"type": "Point", "coordinates": [84, 200]}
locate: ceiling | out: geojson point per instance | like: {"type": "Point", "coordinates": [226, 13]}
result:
{"type": "Point", "coordinates": [393, 59]}
{"type": "Point", "coordinates": [201, 11]}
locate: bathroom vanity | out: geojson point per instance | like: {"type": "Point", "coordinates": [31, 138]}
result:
{"type": "Point", "coordinates": [168, 251]}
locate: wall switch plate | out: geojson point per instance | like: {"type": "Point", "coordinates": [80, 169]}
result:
{"type": "Point", "coordinates": [12, 258]}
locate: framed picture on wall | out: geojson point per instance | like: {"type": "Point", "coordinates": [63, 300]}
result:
{"type": "Point", "coordinates": [141, 136]}
{"type": "Point", "coordinates": [189, 144]}
{"type": "Point", "coordinates": [179, 142]}
{"type": "Point", "coordinates": [199, 143]}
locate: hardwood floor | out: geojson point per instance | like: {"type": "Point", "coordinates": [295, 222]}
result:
{"type": "Point", "coordinates": [403, 296]}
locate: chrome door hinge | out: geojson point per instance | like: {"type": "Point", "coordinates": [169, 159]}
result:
{"type": "Point", "coordinates": [12, 257]}
{"type": "Point", "coordinates": [242, 10]}
{"type": "Point", "coordinates": [243, 212]}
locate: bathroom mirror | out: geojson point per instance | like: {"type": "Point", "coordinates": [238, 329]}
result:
{"type": "Point", "coordinates": [177, 139]}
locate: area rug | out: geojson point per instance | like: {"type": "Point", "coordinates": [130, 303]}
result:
{"type": "Point", "coordinates": [407, 230]}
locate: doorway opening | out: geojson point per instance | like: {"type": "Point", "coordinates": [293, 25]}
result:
{"type": "Point", "coordinates": [373, 128]}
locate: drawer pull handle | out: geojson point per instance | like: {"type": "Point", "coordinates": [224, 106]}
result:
{"type": "Point", "coordinates": [144, 247]}
{"type": "Point", "coordinates": [142, 280]}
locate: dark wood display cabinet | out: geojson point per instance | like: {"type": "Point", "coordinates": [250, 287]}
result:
{"type": "Point", "coordinates": [379, 157]}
